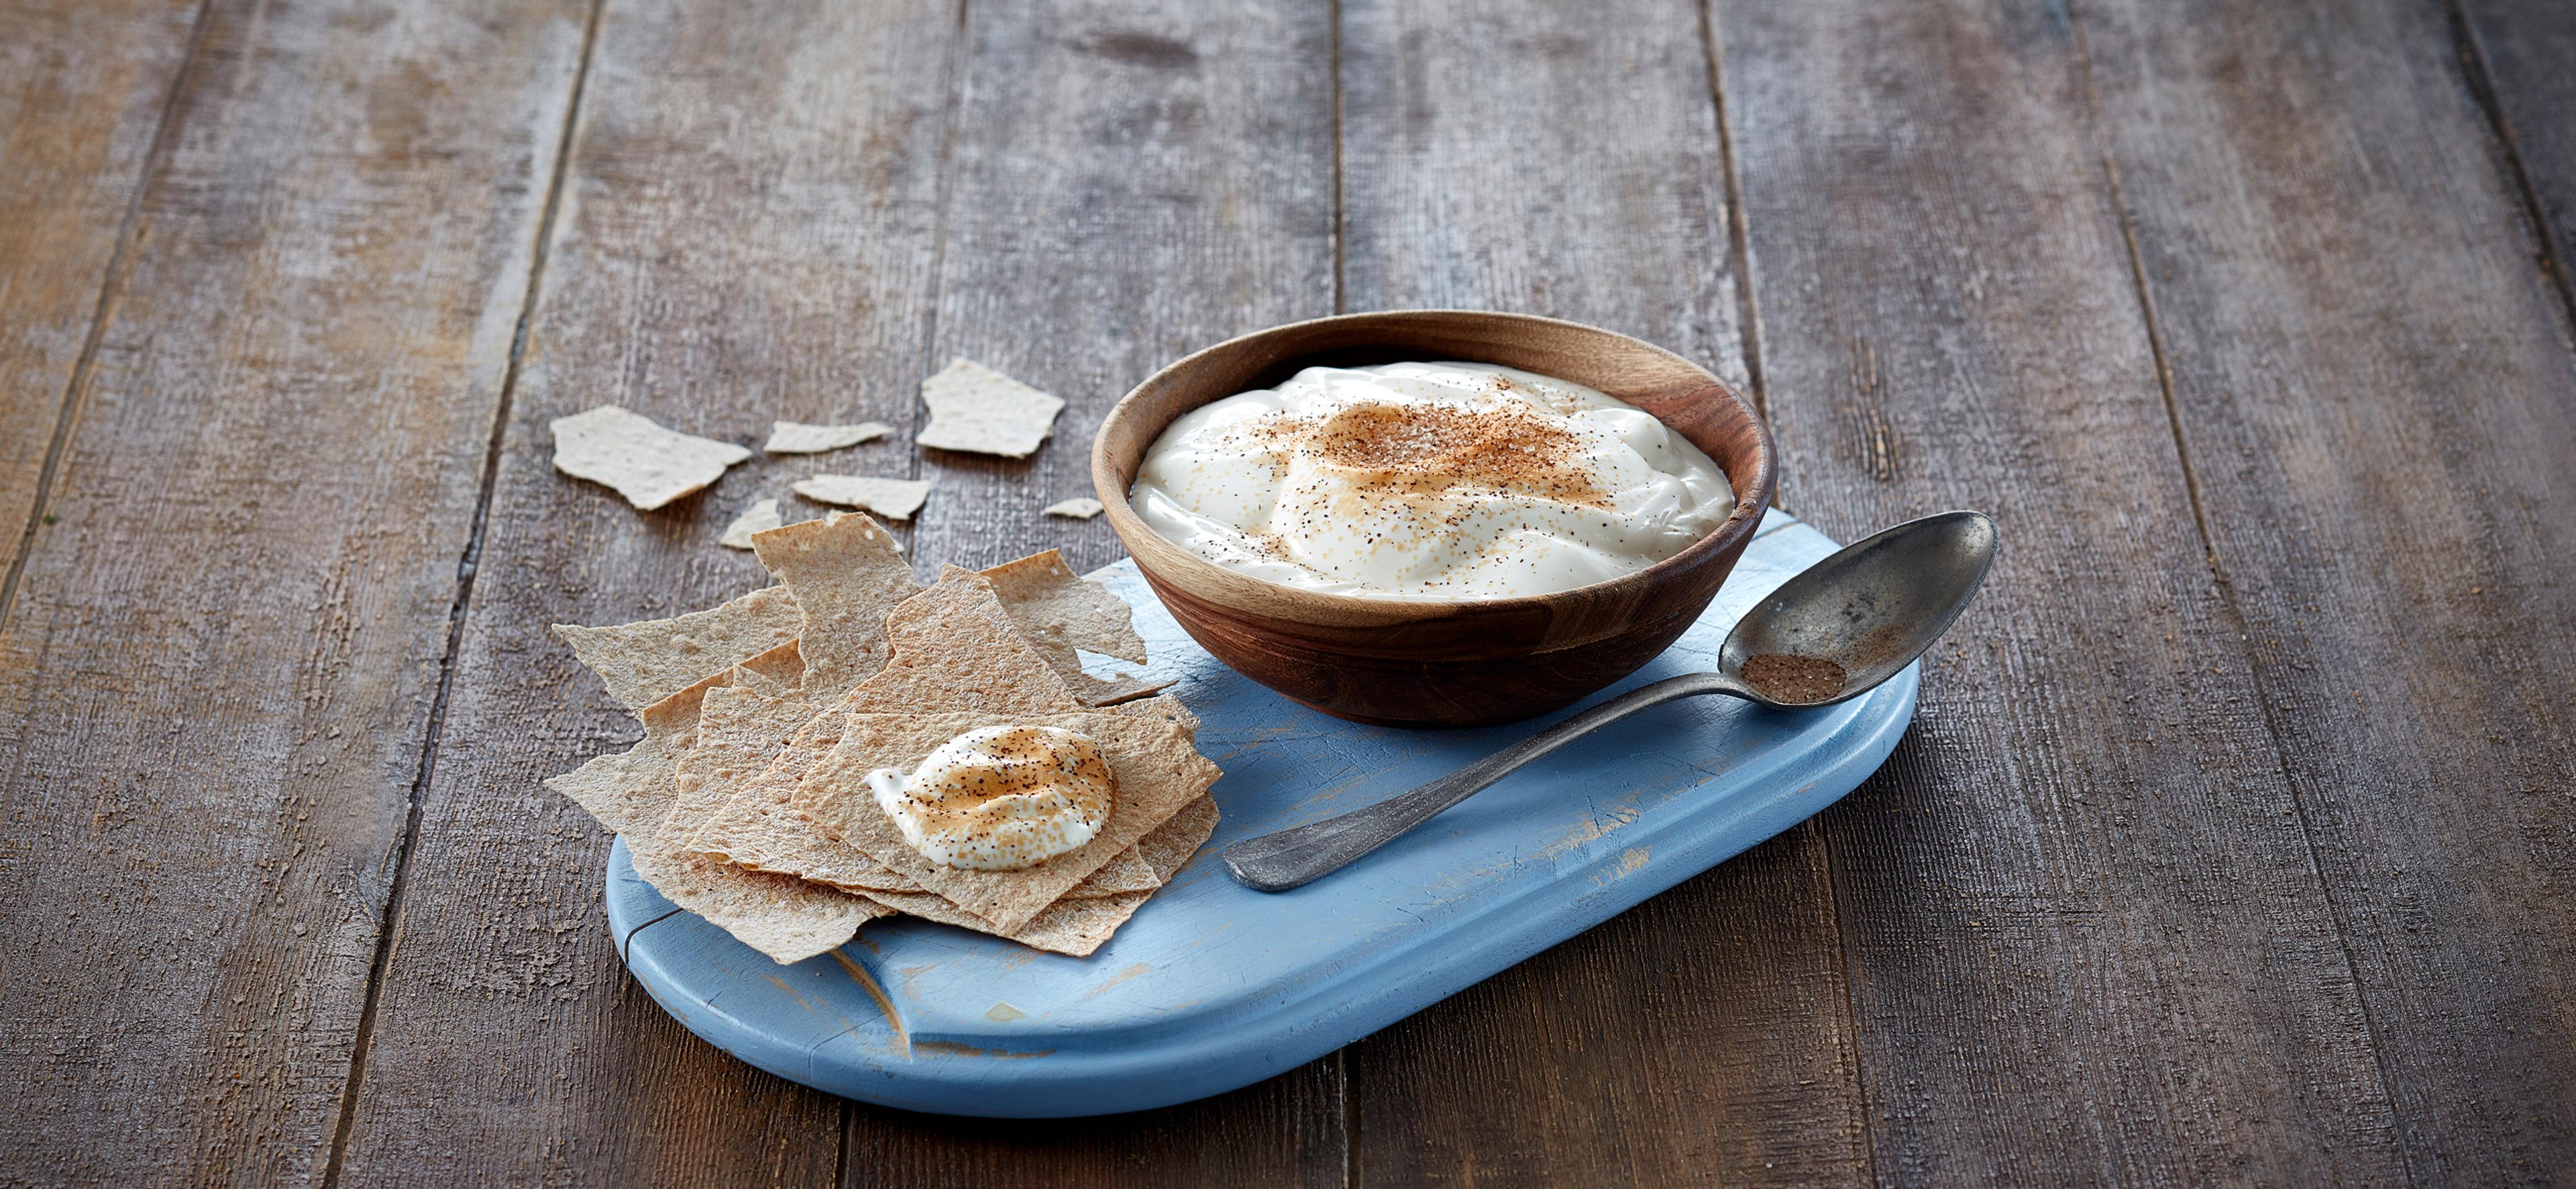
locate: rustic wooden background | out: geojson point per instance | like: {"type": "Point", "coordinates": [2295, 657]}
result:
{"type": "Point", "coordinates": [2234, 843]}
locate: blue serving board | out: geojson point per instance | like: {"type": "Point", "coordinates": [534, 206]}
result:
{"type": "Point", "coordinates": [1213, 986]}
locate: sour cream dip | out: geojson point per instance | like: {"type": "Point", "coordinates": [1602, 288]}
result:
{"type": "Point", "coordinates": [1000, 798]}
{"type": "Point", "coordinates": [1428, 481]}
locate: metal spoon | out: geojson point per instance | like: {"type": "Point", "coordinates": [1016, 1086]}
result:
{"type": "Point", "coordinates": [1870, 609]}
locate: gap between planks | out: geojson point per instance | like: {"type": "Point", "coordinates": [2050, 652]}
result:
{"type": "Point", "coordinates": [156, 155]}
{"type": "Point", "coordinates": [1739, 235]}
{"type": "Point", "coordinates": [466, 565]}
{"type": "Point", "coordinates": [2234, 610]}
{"type": "Point", "coordinates": [2480, 80]}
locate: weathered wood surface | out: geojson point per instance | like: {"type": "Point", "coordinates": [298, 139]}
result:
{"type": "Point", "coordinates": [218, 673]}
{"type": "Point", "coordinates": [2515, 53]}
{"type": "Point", "coordinates": [1723, 1000]}
{"type": "Point", "coordinates": [2232, 845]}
{"type": "Point", "coordinates": [84, 88]}
{"type": "Point", "coordinates": [744, 234]}
{"type": "Point", "coordinates": [2086, 938]}
{"type": "Point", "coordinates": [1129, 180]}
{"type": "Point", "coordinates": [2371, 377]}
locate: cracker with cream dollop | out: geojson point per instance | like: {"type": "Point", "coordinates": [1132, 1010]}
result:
{"type": "Point", "coordinates": [1156, 767]}
{"type": "Point", "coordinates": [708, 800]}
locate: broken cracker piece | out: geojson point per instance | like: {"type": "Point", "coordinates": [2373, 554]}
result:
{"type": "Point", "coordinates": [760, 517]}
{"type": "Point", "coordinates": [1149, 864]}
{"type": "Point", "coordinates": [894, 499]}
{"type": "Point", "coordinates": [1078, 508]}
{"type": "Point", "coordinates": [1157, 768]}
{"type": "Point", "coordinates": [1060, 611]}
{"type": "Point", "coordinates": [974, 408]}
{"type": "Point", "coordinates": [630, 791]}
{"type": "Point", "coordinates": [782, 916]}
{"type": "Point", "coordinates": [792, 437]}
{"type": "Point", "coordinates": [1055, 606]}
{"type": "Point", "coordinates": [953, 646]}
{"type": "Point", "coordinates": [636, 791]}
{"type": "Point", "coordinates": [649, 660]}
{"type": "Point", "coordinates": [785, 918]}
{"type": "Point", "coordinates": [1074, 927]}
{"type": "Point", "coordinates": [846, 575]}
{"type": "Point", "coordinates": [649, 465]}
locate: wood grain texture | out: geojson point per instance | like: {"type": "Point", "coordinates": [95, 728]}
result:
{"type": "Point", "coordinates": [745, 234]}
{"type": "Point", "coordinates": [1285, 1131]}
{"type": "Point", "coordinates": [1130, 180]}
{"type": "Point", "coordinates": [2087, 939]}
{"type": "Point", "coordinates": [2519, 50]}
{"type": "Point", "coordinates": [2372, 380]}
{"type": "Point", "coordinates": [1133, 180]}
{"type": "Point", "coordinates": [1565, 160]}
{"type": "Point", "coordinates": [216, 678]}
{"type": "Point", "coordinates": [83, 88]}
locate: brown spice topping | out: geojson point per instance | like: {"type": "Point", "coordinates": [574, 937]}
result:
{"type": "Point", "coordinates": [1431, 448]}
{"type": "Point", "coordinates": [1789, 678]}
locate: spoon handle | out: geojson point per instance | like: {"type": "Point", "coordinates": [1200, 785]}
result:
{"type": "Point", "coordinates": [1279, 861]}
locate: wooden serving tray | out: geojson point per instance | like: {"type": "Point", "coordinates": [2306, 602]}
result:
{"type": "Point", "coordinates": [1212, 985]}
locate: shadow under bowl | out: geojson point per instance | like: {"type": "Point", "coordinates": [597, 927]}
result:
{"type": "Point", "coordinates": [1440, 663]}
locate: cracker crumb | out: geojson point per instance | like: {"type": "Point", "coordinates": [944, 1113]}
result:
{"type": "Point", "coordinates": [761, 517]}
{"type": "Point", "coordinates": [894, 499]}
{"type": "Point", "coordinates": [977, 409]}
{"type": "Point", "coordinates": [631, 453]}
{"type": "Point", "coordinates": [792, 437]}
{"type": "Point", "coordinates": [1077, 508]}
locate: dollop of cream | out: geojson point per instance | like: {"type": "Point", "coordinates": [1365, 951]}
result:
{"type": "Point", "coordinates": [1429, 481]}
{"type": "Point", "coordinates": [1000, 798]}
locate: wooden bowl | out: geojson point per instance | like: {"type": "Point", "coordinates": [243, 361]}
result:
{"type": "Point", "coordinates": [1448, 663]}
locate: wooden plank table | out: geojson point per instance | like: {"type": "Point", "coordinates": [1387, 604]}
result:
{"type": "Point", "coordinates": [2234, 842]}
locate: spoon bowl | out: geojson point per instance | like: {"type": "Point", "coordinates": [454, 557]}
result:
{"type": "Point", "coordinates": [1871, 608]}
{"type": "Point", "coordinates": [1837, 630]}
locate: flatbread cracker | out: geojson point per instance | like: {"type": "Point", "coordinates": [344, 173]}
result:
{"type": "Point", "coordinates": [1081, 507]}
{"type": "Point", "coordinates": [1069, 926]}
{"type": "Point", "coordinates": [894, 499]}
{"type": "Point", "coordinates": [782, 916]}
{"type": "Point", "coordinates": [974, 408]}
{"type": "Point", "coordinates": [636, 791]}
{"type": "Point", "coordinates": [645, 662]}
{"type": "Point", "coordinates": [790, 437]}
{"type": "Point", "coordinates": [952, 646]}
{"type": "Point", "coordinates": [760, 517]}
{"type": "Point", "coordinates": [1157, 768]}
{"type": "Point", "coordinates": [1059, 609]}
{"type": "Point", "coordinates": [786, 918]}
{"type": "Point", "coordinates": [845, 573]}
{"type": "Point", "coordinates": [1150, 863]}
{"type": "Point", "coordinates": [956, 646]}
{"type": "Point", "coordinates": [649, 465]}
{"type": "Point", "coordinates": [627, 791]}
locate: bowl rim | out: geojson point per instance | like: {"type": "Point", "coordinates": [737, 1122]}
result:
{"type": "Point", "coordinates": [1209, 581]}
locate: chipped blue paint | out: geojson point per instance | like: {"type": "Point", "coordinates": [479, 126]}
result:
{"type": "Point", "coordinates": [1238, 985]}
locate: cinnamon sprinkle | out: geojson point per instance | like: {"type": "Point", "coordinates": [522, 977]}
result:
{"type": "Point", "coordinates": [1430, 448]}
{"type": "Point", "coordinates": [1791, 679]}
